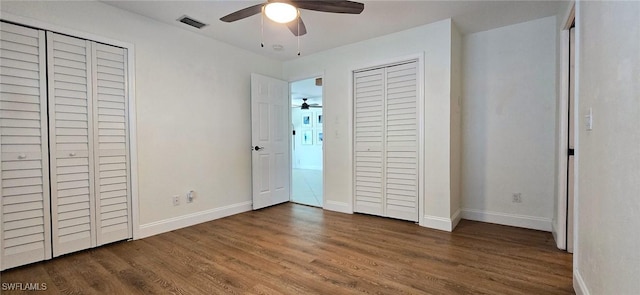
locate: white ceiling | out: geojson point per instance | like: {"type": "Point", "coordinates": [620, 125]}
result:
{"type": "Point", "coordinates": [329, 30]}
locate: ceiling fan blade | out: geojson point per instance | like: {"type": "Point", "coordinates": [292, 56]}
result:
{"type": "Point", "coordinates": [242, 13]}
{"type": "Point", "coordinates": [335, 6]}
{"type": "Point", "coordinates": [293, 27]}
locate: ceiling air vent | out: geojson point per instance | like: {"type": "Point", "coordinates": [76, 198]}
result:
{"type": "Point", "coordinates": [192, 22]}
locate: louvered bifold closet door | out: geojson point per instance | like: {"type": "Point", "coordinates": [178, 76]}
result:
{"type": "Point", "coordinates": [368, 141]}
{"type": "Point", "coordinates": [25, 222]}
{"type": "Point", "coordinates": [71, 144]}
{"type": "Point", "coordinates": [113, 197]}
{"type": "Point", "coordinates": [402, 142]}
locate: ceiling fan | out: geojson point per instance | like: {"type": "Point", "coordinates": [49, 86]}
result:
{"type": "Point", "coordinates": [286, 11]}
{"type": "Point", "coordinates": [306, 106]}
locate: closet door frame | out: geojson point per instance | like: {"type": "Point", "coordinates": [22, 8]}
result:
{"type": "Point", "coordinates": [131, 107]}
{"type": "Point", "coordinates": [419, 58]}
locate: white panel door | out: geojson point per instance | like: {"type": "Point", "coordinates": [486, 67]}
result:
{"type": "Point", "coordinates": [401, 151]}
{"type": "Point", "coordinates": [110, 119]}
{"type": "Point", "coordinates": [270, 141]}
{"type": "Point", "coordinates": [369, 92]}
{"type": "Point", "coordinates": [25, 231]}
{"type": "Point", "coordinates": [71, 144]}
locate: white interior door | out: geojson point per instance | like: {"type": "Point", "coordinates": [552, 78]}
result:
{"type": "Point", "coordinates": [572, 122]}
{"type": "Point", "coordinates": [369, 92]}
{"type": "Point", "coordinates": [111, 144]}
{"type": "Point", "coordinates": [270, 142]}
{"type": "Point", "coordinates": [71, 144]}
{"type": "Point", "coordinates": [25, 224]}
{"type": "Point", "coordinates": [401, 137]}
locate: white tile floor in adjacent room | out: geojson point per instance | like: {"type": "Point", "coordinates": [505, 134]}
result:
{"type": "Point", "coordinates": [307, 187]}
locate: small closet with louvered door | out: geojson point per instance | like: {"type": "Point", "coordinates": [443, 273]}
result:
{"type": "Point", "coordinates": [72, 191]}
{"type": "Point", "coordinates": [386, 141]}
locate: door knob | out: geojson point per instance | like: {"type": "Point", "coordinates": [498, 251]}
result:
{"type": "Point", "coordinates": [22, 156]}
{"type": "Point", "coordinates": [257, 148]}
{"type": "Point", "coordinates": [72, 154]}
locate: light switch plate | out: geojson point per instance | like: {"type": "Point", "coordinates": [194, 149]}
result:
{"type": "Point", "coordinates": [589, 120]}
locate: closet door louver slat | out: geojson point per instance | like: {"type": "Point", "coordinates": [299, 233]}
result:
{"type": "Point", "coordinates": [70, 126]}
{"type": "Point", "coordinates": [25, 231]}
{"type": "Point", "coordinates": [113, 197]}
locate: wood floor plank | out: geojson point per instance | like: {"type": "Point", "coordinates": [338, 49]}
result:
{"type": "Point", "coordinates": [296, 249]}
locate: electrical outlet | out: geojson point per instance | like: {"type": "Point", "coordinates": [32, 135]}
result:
{"type": "Point", "coordinates": [190, 196]}
{"type": "Point", "coordinates": [176, 200]}
{"type": "Point", "coordinates": [517, 198]}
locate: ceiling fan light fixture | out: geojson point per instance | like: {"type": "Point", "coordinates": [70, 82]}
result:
{"type": "Point", "coordinates": [281, 12]}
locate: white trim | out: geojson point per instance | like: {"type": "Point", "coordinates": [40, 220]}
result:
{"type": "Point", "coordinates": [436, 222]}
{"type": "Point", "coordinates": [420, 58]}
{"type": "Point", "coordinates": [421, 139]}
{"type": "Point", "coordinates": [338, 206]}
{"type": "Point", "coordinates": [563, 143]}
{"type": "Point", "coordinates": [442, 223]}
{"type": "Point", "coordinates": [576, 157]}
{"type": "Point", "coordinates": [351, 140]}
{"type": "Point", "coordinates": [133, 145]}
{"type": "Point", "coordinates": [167, 225]}
{"type": "Point", "coordinates": [531, 222]}
{"type": "Point", "coordinates": [578, 284]}
{"type": "Point", "coordinates": [455, 219]}
{"type": "Point", "coordinates": [569, 16]}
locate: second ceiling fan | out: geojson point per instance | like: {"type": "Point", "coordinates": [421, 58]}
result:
{"type": "Point", "coordinates": [286, 11]}
{"type": "Point", "coordinates": [306, 106]}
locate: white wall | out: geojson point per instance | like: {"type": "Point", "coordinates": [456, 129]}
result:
{"type": "Point", "coordinates": [606, 259]}
{"type": "Point", "coordinates": [193, 106]}
{"type": "Point", "coordinates": [509, 124]}
{"type": "Point", "coordinates": [306, 156]}
{"type": "Point", "coordinates": [434, 40]}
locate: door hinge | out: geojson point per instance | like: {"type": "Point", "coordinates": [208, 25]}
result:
{"type": "Point", "coordinates": [571, 152]}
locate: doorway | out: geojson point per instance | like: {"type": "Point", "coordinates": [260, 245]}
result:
{"type": "Point", "coordinates": [307, 142]}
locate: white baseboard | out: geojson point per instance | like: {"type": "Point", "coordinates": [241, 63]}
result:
{"type": "Point", "coordinates": [578, 284]}
{"type": "Point", "coordinates": [455, 219]}
{"type": "Point", "coordinates": [531, 222]}
{"type": "Point", "coordinates": [561, 242]}
{"type": "Point", "coordinates": [167, 225]}
{"type": "Point", "coordinates": [436, 222]}
{"type": "Point", "coordinates": [442, 223]}
{"type": "Point", "coordinates": [337, 206]}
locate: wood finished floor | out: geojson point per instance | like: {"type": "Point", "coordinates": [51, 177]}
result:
{"type": "Point", "coordinates": [295, 249]}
